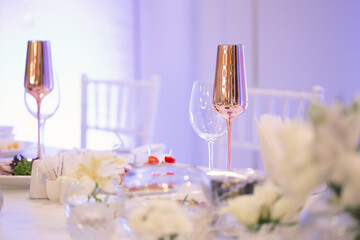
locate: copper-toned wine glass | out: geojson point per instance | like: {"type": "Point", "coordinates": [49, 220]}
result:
{"type": "Point", "coordinates": [230, 91]}
{"type": "Point", "coordinates": [38, 76]}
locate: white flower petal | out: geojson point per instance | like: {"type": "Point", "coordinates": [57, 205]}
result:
{"type": "Point", "coordinates": [87, 185]}
{"type": "Point", "coordinates": [107, 169]}
{"type": "Point", "coordinates": [246, 208]}
{"type": "Point", "coordinates": [156, 219]}
{"type": "Point", "coordinates": [268, 193]}
{"type": "Point", "coordinates": [107, 185]}
{"type": "Point", "coordinates": [286, 209]}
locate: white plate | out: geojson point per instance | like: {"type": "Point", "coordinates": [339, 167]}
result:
{"type": "Point", "coordinates": [15, 181]}
{"type": "Point", "coordinates": [8, 153]}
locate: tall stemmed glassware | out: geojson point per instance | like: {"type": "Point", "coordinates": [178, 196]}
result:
{"type": "Point", "coordinates": [206, 122]}
{"type": "Point", "coordinates": [49, 106]}
{"type": "Point", "coordinates": [38, 76]}
{"type": "Point", "coordinates": [230, 91]}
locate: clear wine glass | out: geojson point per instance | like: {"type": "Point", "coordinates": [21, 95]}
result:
{"type": "Point", "coordinates": [230, 91]}
{"type": "Point", "coordinates": [206, 122]}
{"type": "Point", "coordinates": [38, 80]}
{"type": "Point", "coordinates": [49, 106]}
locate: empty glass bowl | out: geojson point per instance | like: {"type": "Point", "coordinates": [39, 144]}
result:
{"type": "Point", "coordinates": [167, 202]}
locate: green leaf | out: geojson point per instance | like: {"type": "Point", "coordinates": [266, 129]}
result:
{"type": "Point", "coordinates": [94, 193]}
{"type": "Point", "coordinates": [355, 213]}
{"type": "Point", "coordinates": [173, 236]}
{"type": "Point", "coordinates": [357, 237]}
{"type": "Point", "coordinates": [23, 168]}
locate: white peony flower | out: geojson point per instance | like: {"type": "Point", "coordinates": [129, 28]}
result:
{"type": "Point", "coordinates": [286, 209]}
{"type": "Point", "coordinates": [267, 193]}
{"type": "Point", "coordinates": [246, 208]}
{"type": "Point", "coordinates": [94, 169]}
{"type": "Point", "coordinates": [306, 155]}
{"type": "Point", "coordinates": [338, 135]}
{"type": "Point", "coordinates": [350, 196]}
{"type": "Point", "coordinates": [159, 218]}
{"type": "Point", "coordinates": [87, 185]}
{"type": "Point", "coordinates": [293, 166]}
{"type": "Point", "coordinates": [295, 137]}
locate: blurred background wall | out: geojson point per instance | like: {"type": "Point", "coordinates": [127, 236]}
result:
{"type": "Point", "coordinates": [288, 44]}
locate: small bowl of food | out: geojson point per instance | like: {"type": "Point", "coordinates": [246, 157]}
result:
{"type": "Point", "coordinates": [167, 202]}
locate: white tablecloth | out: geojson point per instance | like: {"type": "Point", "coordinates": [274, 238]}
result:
{"type": "Point", "coordinates": [24, 218]}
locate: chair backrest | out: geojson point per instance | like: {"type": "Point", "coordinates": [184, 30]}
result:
{"type": "Point", "coordinates": [126, 108]}
{"type": "Point", "coordinates": [287, 104]}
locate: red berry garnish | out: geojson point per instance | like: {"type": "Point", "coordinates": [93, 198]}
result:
{"type": "Point", "coordinates": [169, 159]}
{"type": "Point", "coordinates": [153, 160]}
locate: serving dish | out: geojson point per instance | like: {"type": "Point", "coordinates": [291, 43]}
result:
{"type": "Point", "coordinates": [10, 148]}
{"type": "Point", "coordinates": [10, 181]}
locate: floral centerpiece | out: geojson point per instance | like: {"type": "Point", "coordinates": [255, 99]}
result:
{"type": "Point", "coordinates": [301, 155]}
{"type": "Point", "coordinates": [161, 220]}
{"type": "Point", "coordinates": [92, 197]}
{"type": "Point", "coordinates": [293, 175]}
{"type": "Point", "coordinates": [267, 206]}
{"type": "Point", "coordinates": [336, 147]}
{"type": "Point", "coordinates": [95, 172]}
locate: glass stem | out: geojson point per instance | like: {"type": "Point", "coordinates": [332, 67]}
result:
{"type": "Point", "coordinates": [229, 122]}
{"type": "Point", "coordinates": [42, 132]}
{"type": "Point", "coordinates": [211, 154]}
{"type": "Point", "coordinates": [39, 129]}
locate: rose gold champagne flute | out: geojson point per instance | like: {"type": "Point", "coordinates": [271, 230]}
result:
{"type": "Point", "coordinates": [38, 76]}
{"type": "Point", "coordinates": [230, 91]}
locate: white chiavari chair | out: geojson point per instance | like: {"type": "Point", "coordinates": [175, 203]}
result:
{"type": "Point", "coordinates": [125, 108]}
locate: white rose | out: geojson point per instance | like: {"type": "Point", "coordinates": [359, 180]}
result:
{"type": "Point", "coordinates": [350, 195]}
{"type": "Point", "coordinates": [286, 209]}
{"type": "Point", "coordinates": [304, 180]}
{"type": "Point", "coordinates": [152, 218]}
{"type": "Point", "coordinates": [87, 185]}
{"type": "Point", "coordinates": [296, 137]}
{"type": "Point", "coordinates": [267, 193]}
{"type": "Point", "coordinates": [246, 208]}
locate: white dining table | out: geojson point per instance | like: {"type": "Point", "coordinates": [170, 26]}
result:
{"type": "Point", "coordinates": [42, 219]}
{"type": "Point", "coordinates": [25, 218]}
